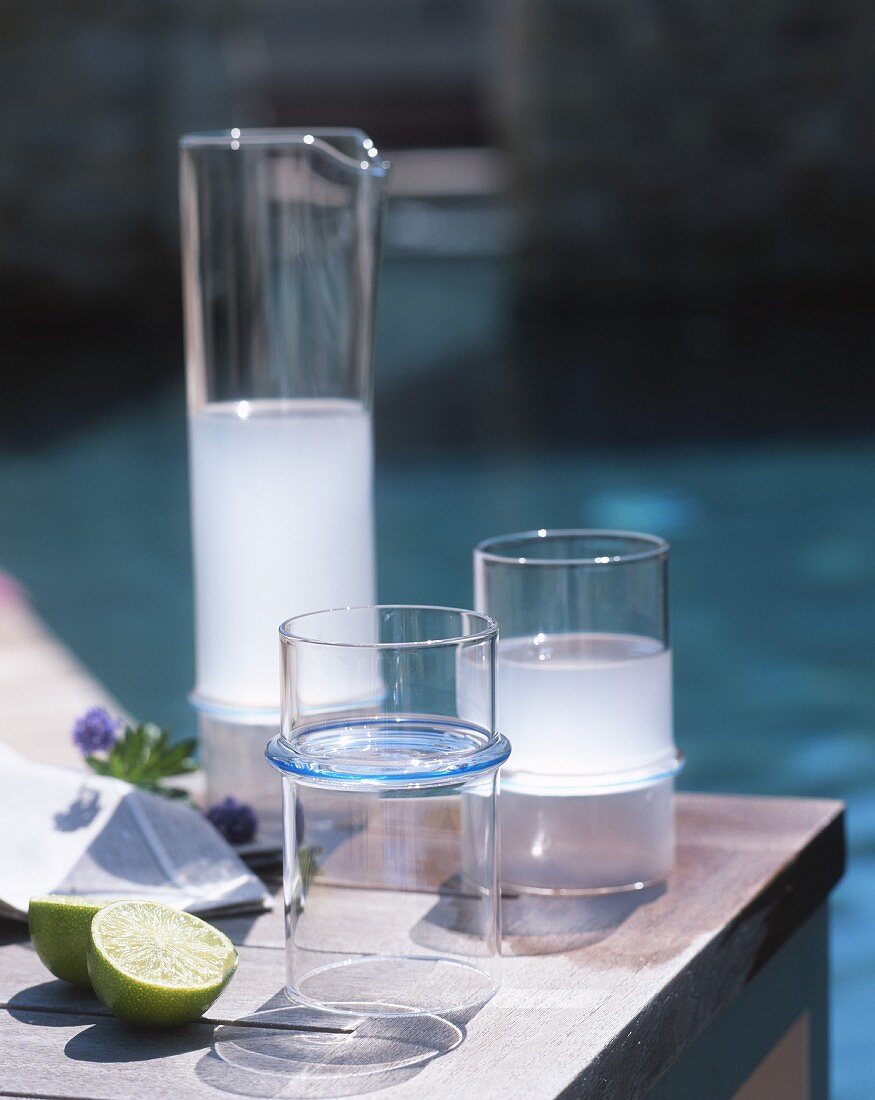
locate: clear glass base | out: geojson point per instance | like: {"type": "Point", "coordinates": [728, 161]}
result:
{"type": "Point", "coordinates": [300, 1042]}
{"type": "Point", "coordinates": [513, 889]}
{"type": "Point", "coordinates": [394, 985]}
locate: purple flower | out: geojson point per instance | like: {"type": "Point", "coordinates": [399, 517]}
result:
{"type": "Point", "coordinates": [235, 820]}
{"type": "Point", "coordinates": [95, 731]}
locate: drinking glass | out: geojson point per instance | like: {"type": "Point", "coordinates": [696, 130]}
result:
{"type": "Point", "coordinates": [389, 757]}
{"type": "Point", "coordinates": [585, 697]}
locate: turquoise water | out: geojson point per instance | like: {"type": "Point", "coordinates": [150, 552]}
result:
{"type": "Point", "coordinates": [773, 600]}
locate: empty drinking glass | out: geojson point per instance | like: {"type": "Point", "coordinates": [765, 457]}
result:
{"type": "Point", "coordinates": [389, 757]}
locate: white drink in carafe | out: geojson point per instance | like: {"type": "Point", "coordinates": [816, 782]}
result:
{"type": "Point", "coordinates": [282, 516]}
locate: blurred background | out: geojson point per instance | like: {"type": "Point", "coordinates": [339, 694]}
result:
{"type": "Point", "coordinates": [628, 277]}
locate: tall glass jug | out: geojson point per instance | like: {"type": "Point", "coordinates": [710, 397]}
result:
{"type": "Point", "coordinates": [280, 243]}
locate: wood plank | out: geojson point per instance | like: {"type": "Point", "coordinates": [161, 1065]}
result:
{"type": "Point", "coordinates": [739, 945]}
{"type": "Point", "coordinates": [599, 996]}
{"type": "Point", "coordinates": [102, 1059]}
{"type": "Point", "coordinates": [626, 984]}
{"type": "Point", "coordinates": [789, 992]}
{"type": "Point", "coordinates": [26, 984]}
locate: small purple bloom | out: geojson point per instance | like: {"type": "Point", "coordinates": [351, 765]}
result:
{"type": "Point", "coordinates": [95, 731]}
{"type": "Point", "coordinates": [235, 820]}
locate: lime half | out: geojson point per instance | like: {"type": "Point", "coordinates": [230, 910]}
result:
{"type": "Point", "coordinates": [157, 966]}
{"type": "Point", "coordinates": [59, 928]}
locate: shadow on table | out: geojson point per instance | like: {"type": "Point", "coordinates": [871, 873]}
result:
{"type": "Point", "coordinates": [298, 1051]}
{"type": "Point", "coordinates": [532, 924]}
{"type": "Point", "coordinates": [112, 1041]}
{"type": "Point", "coordinates": [544, 925]}
{"type": "Point", "coordinates": [57, 1000]}
{"type": "Point", "coordinates": [12, 931]}
{"type": "Point", "coordinates": [107, 1039]}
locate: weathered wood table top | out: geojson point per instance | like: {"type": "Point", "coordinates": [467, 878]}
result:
{"type": "Point", "coordinates": [599, 996]}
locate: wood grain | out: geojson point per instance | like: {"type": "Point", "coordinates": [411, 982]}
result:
{"type": "Point", "coordinates": [599, 995]}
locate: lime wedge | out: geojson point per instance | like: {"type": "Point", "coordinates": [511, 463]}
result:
{"type": "Point", "coordinates": [59, 928]}
{"type": "Point", "coordinates": [156, 966]}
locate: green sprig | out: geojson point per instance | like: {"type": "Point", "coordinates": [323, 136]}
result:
{"type": "Point", "coordinates": [144, 755]}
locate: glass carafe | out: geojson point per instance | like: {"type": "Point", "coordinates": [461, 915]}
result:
{"type": "Point", "coordinates": [280, 241]}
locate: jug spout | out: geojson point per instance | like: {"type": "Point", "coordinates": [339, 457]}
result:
{"type": "Point", "coordinates": [351, 147]}
{"type": "Point", "coordinates": [281, 234]}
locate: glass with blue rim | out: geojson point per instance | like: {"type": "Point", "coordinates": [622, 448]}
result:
{"type": "Point", "coordinates": [390, 759]}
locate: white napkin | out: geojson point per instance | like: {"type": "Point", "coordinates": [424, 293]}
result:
{"type": "Point", "coordinates": [73, 832]}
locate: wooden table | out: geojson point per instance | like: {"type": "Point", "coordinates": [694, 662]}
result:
{"type": "Point", "coordinates": [713, 986]}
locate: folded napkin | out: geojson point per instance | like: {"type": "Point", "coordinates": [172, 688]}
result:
{"type": "Point", "coordinates": [72, 832]}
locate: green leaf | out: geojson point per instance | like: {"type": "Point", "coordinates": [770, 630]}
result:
{"type": "Point", "coordinates": [116, 762]}
{"type": "Point", "coordinates": [178, 759]}
{"type": "Point", "coordinates": [143, 755]}
{"type": "Point", "coordinates": [130, 751]}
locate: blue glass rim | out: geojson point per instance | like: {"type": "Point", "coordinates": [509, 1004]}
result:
{"type": "Point", "coordinates": [449, 769]}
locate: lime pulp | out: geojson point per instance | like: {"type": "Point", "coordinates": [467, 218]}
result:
{"type": "Point", "coordinates": [157, 966]}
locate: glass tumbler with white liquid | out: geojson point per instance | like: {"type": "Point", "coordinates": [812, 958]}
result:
{"type": "Point", "coordinates": [280, 232]}
{"type": "Point", "coordinates": [585, 698]}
